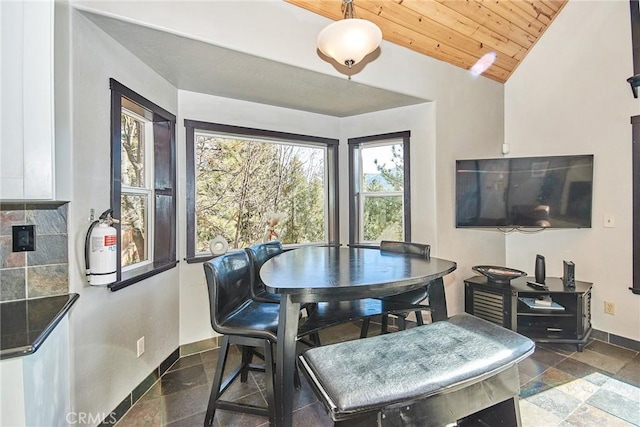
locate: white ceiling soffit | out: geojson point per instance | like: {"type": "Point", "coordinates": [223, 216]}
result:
{"type": "Point", "coordinates": [202, 67]}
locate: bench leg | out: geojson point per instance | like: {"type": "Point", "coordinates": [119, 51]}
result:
{"type": "Point", "coordinates": [437, 300]}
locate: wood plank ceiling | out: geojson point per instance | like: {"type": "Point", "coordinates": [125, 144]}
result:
{"type": "Point", "coordinates": [455, 31]}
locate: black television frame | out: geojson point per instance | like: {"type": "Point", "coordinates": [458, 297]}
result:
{"type": "Point", "coordinates": [537, 217]}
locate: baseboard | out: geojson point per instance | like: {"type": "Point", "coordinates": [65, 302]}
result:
{"type": "Point", "coordinates": [200, 346]}
{"type": "Point", "coordinates": [615, 340]}
{"type": "Point", "coordinates": [122, 408]}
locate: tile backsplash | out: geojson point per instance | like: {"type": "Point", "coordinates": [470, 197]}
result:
{"type": "Point", "coordinates": [45, 271]}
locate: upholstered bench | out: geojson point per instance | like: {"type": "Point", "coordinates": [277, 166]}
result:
{"type": "Point", "coordinates": [460, 370]}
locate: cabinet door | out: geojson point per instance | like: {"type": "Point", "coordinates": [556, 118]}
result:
{"type": "Point", "coordinates": [27, 100]}
{"type": "Point", "coordinates": [487, 305]}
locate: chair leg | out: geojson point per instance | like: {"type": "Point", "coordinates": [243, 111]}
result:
{"type": "Point", "coordinates": [247, 356]}
{"type": "Point", "coordinates": [384, 327]}
{"type": "Point", "coordinates": [402, 325]}
{"type": "Point", "coordinates": [419, 319]}
{"type": "Point", "coordinates": [270, 377]}
{"type": "Point", "coordinates": [217, 381]}
{"type": "Point", "coordinates": [364, 331]}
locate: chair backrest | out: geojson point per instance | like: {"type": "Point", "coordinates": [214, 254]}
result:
{"type": "Point", "coordinates": [259, 254]}
{"type": "Point", "coordinates": [229, 281]}
{"type": "Point", "coordinates": [405, 248]}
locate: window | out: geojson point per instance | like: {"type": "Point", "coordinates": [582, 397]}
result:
{"type": "Point", "coordinates": [250, 185]}
{"type": "Point", "coordinates": [143, 183]}
{"type": "Point", "coordinates": [379, 191]}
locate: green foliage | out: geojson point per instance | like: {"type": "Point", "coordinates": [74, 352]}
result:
{"type": "Point", "coordinates": [240, 184]}
{"type": "Point", "coordinates": [383, 213]}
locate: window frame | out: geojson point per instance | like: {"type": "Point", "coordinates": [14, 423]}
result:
{"type": "Point", "coordinates": [635, 149]}
{"type": "Point", "coordinates": [163, 209]}
{"type": "Point", "coordinates": [331, 145]}
{"type": "Point", "coordinates": [146, 191]}
{"type": "Point", "coordinates": [355, 175]}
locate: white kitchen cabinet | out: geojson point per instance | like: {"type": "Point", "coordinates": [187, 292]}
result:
{"type": "Point", "coordinates": [28, 152]}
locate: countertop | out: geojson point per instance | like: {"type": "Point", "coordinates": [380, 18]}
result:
{"type": "Point", "coordinates": [27, 323]}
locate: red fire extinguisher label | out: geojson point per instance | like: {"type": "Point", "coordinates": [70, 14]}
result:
{"type": "Point", "coordinates": [110, 240]}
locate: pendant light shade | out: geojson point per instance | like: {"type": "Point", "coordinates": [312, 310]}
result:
{"type": "Point", "coordinates": [350, 39]}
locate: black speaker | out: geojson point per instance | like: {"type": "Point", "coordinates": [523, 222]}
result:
{"type": "Point", "coordinates": [540, 269]}
{"type": "Point", "coordinates": [569, 275]}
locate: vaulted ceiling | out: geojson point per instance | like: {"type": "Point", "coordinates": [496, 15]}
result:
{"type": "Point", "coordinates": [459, 32]}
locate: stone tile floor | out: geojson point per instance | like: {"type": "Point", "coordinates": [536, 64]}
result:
{"type": "Point", "coordinates": [559, 387]}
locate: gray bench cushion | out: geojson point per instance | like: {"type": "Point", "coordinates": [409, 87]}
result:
{"type": "Point", "coordinates": [369, 374]}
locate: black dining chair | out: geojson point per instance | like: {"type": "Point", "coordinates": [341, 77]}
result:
{"type": "Point", "coordinates": [244, 322]}
{"type": "Point", "coordinates": [259, 254]}
{"type": "Point", "coordinates": [413, 297]}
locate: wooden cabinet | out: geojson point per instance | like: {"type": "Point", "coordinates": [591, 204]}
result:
{"type": "Point", "coordinates": [503, 304]}
{"type": "Point", "coordinates": [28, 149]}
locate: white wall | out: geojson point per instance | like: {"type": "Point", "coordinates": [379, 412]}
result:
{"type": "Point", "coordinates": [570, 96]}
{"type": "Point", "coordinates": [106, 325]}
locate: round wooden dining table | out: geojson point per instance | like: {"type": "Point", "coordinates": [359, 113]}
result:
{"type": "Point", "coordinates": [315, 274]}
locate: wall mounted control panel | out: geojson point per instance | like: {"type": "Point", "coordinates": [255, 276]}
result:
{"type": "Point", "coordinates": [24, 238]}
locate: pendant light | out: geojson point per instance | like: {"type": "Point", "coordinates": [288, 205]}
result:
{"type": "Point", "coordinates": [349, 40]}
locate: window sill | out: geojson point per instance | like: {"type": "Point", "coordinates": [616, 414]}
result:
{"type": "Point", "coordinates": [203, 258]}
{"type": "Point", "coordinates": [140, 274]}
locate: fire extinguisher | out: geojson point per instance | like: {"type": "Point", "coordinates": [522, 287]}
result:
{"type": "Point", "coordinates": [101, 250]}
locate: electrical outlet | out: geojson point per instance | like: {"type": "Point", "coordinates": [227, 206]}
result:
{"type": "Point", "coordinates": [609, 308]}
{"type": "Point", "coordinates": [140, 346]}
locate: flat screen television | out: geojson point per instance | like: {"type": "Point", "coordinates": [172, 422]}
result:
{"type": "Point", "coordinates": [525, 192]}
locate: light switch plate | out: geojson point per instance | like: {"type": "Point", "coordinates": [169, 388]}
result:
{"type": "Point", "coordinates": [24, 238]}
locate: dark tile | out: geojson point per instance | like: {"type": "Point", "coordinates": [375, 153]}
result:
{"type": "Point", "coordinates": [144, 386]}
{"type": "Point", "coordinates": [185, 362]}
{"type": "Point", "coordinates": [154, 392]}
{"type": "Point", "coordinates": [563, 349]}
{"type": "Point", "coordinates": [143, 414]}
{"type": "Point", "coordinates": [238, 419]}
{"type": "Point", "coordinates": [199, 346]}
{"type": "Point", "coordinates": [546, 357]}
{"type": "Point", "coordinates": [630, 373]}
{"type": "Point", "coordinates": [49, 219]}
{"type": "Point", "coordinates": [114, 416]}
{"type": "Point", "coordinates": [532, 367]}
{"type": "Point", "coordinates": [170, 360]}
{"type": "Point", "coordinates": [47, 280]}
{"type": "Point", "coordinates": [599, 335]}
{"type": "Point", "coordinates": [50, 249]}
{"type": "Point", "coordinates": [13, 285]}
{"type": "Point", "coordinates": [314, 415]}
{"type": "Point", "coordinates": [8, 258]}
{"type": "Point", "coordinates": [180, 380]}
{"type": "Point", "coordinates": [532, 388]}
{"type": "Point", "coordinates": [624, 342]}
{"type": "Point", "coordinates": [611, 350]}
{"type": "Point", "coordinates": [583, 370]}
{"type": "Point", "coordinates": [11, 214]}
{"type": "Point", "coordinates": [602, 361]}
{"type": "Point", "coordinates": [186, 403]}
{"type": "Point", "coordinates": [616, 404]}
{"type": "Point", "coordinates": [555, 377]}
{"type": "Point", "coordinates": [193, 420]}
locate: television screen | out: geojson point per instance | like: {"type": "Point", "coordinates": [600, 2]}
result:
{"type": "Point", "coordinates": [535, 192]}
